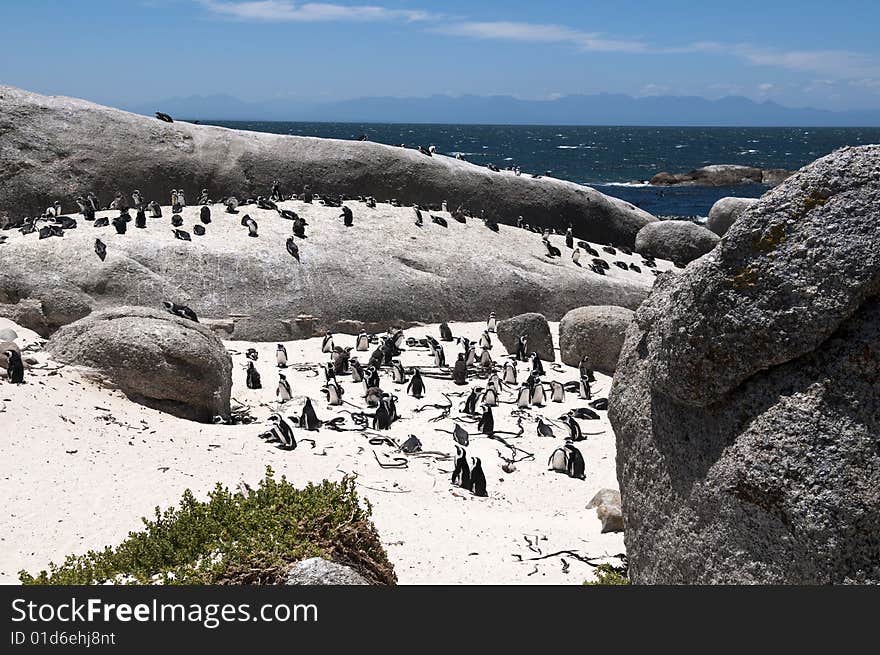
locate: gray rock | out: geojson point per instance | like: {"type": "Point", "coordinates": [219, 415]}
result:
{"type": "Point", "coordinates": [604, 497]}
{"type": "Point", "coordinates": [679, 241]}
{"type": "Point", "coordinates": [8, 334]}
{"type": "Point", "coordinates": [725, 212]}
{"type": "Point", "coordinates": [531, 325]}
{"type": "Point", "coordinates": [4, 346]}
{"type": "Point", "coordinates": [722, 175]}
{"type": "Point", "coordinates": [608, 511]}
{"type": "Point", "coordinates": [50, 153]}
{"type": "Point", "coordinates": [63, 305]}
{"type": "Point", "coordinates": [26, 312]}
{"type": "Point", "coordinates": [318, 571]}
{"type": "Point", "coordinates": [746, 403]}
{"type": "Point", "coordinates": [594, 332]}
{"type": "Point", "coordinates": [155, 358]}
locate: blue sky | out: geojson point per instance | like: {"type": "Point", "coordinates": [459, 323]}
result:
{"type": "Point", "coordinates": [809, 53]}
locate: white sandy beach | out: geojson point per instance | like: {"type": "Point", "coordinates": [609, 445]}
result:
{"type": "Point", "coordinates": [80, 464]}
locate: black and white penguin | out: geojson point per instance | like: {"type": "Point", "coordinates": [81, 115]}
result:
{"type": "Point", "coordinates": [199, 230]}
{"type": "Point", "coordinates": [281, 356]}
{"type": "Point", "coordinates": [544, 429]}
{"type": "Point", "coordinates": [416, 387]}
{"type": "Point", "coordinates": [461, 475]}
{"type": "Point", "coordinates": [327, 343]}
{"type": "Point", "coordinates": [576, 256]}
{"type": "Point", "coordinates": [334, 393]}
{"type": "Point", "coordinates": [585, 370]}
{"type": "Point", "coordinates": [569, 460]}
{"type": "Point", "coordinates": [180, 310]}
{"type": "Point", "coordinates": [552, 251]}
{"type": "Point", "coordinates": [509, 373]}
{"type": "Point", "coordinates": [491, 323]}
{"type": "Point", "coordinates": [438, 220]}
{"type": "Point", "coordinates": [307, 418]}
{"type": "Point", "coordinates": [478, 478]}
{"type": "Point", "coordinates": [357, 371]}
{"type": "Point", "coordinates": [341, 358]}
{"type": "Point", "coordinates": [140, 219]}
{"type": "Point", "coordinates": [283, 391]}
{"type": "Point", "coordinates": [284, 431]}
{"type": "Point", "coordinates": [165, 118]}
{"type": "Point", "coordinates": [485, 341]}
{"type": "Point", "coordinates": [574, 429]}
{"type": "Point", "coordinates": [253, 377]}
{"type": "Point", "coordinates": [490, 397]}
{"type": "Point", "coordinates": [460, 370]}
{"type": "Point", "coordinates": [439, 357]}
{"type": "Point", "coordinates": [205, 214]}
{"type": "Point", "coordinates": [137, 200]}
{"type": "Point", "coordinates": [398, 375]}
{"type": "Point", "coordinates": [14, 366]}
{"type": "Point", "coordinates": [460, 435]}
{"type": "Point", "coordinates": [569, 239]}
{"type": "Point", "coordinates": [347, 217]}
{"type": "Point", "coordinates": [537, 366]}
{"type": "Point", "coordinates": [557, 392]}
{"type": "Point", "coordinates": [471, 355]}
{"type": "Point", "coordinates": [100, 222]}
{"type": "Point", "coordinates": [522, 349]}
{"type": "Point", "coordinates": [584, 392]}
{"type": "Point", "coordinates": [232, 205]}
{"type": "Point", "coordinates": [252, 354]}
{"type": "Point", "coordinates": [470, 403]}
{"type": "Point", "coordinates": [176, 220]}
{"type": "Point", "coordinates": [445, 332]}
{"type": "Point", "coordinates": [371, 377]}
{"type": "Point", "coordinates": [100, 249]}
{"type": "Point", "coordinates": [292, 248]}
{"type": "Point", "coordinates": [155, 209]}
{"type": "Point", "coordinates": [524, 396]}
{"type": "Point", "coordinates": [251, 225]}
{"type": "Point", "coordinates": [363, 342]}
{"type": "Point", "coordinates": [121, 223]}
{"type": "Point", "coordinates": [203, 198]}
{"type": "Point", "coordinates": [486, 424]}
{"type": "Point", "coordinates": [183, 235]}
{"type": "Point", "coordinates": [536, 390]}
{"type": "Point", "coordinates": [418, 213]}
{"type": "Point", "coordinates": [486, 359]}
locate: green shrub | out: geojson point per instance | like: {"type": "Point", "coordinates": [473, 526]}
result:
{"type": "Point", "coordinates": [250, 538]}
{"type": "Point", "coordinates": [608, 575]}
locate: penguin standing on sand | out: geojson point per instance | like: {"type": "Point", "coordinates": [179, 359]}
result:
{"type": "Point", "coordinates": [121, 223]}
{"type": "Point", "coordinates": [253, 377]}
{"type": "Point", "coordinates": [284, 431]}
{"type": "Point", "coordinates": [461, 476]}
{"type": "Point", "coordinates": [536, 388]}
{"type": "Point", "coordinates": [205, 214]}
{"type": "Point", "coordinates": [281, 356]}
{"type": "Point", "coordinates": [136, 200]}
{"type": "Point", "coordinates": [569, 460]}
{"type": "Point", "coordinates": [509, 373]}
{"type": "Point", "coordinates": [334, 393]}
{"type": "Point", "coordinates": [308, 419]}
{"type": "Point", "coordinates": [327, 343]}
{"type": "Point", "coordinates": [283, 391]}
{"type": "Point", "coordinates": [439, 357]}
{"type": "Point", "coordinates": [445, 332]}
{"type": "Point", "coordinates": [398, 375]}
{"type": "Point", "coordinates": [347, 217]}
{"type": "Point", "coordinates": [140, 219]}
{"type": "Point", "coordinates": [460, 370]}
{"type": "Point", "coordinates": [584, 392]}
{"type": "Point", "coordinates": [416, 387]}
{"type": "Point", "coordinates": [524, 396]}
{"type": "Point", "coordinates": [14, 366]}
{"type": "Point", "coordinates": [292, 248]}
{"type": "Point", "coordinates": [155, 209]}
{"type": "Point", "coordinates": [557, 392]}
{"type": "Point", "coordinates": [418, 213]}
{"type": "Point", "coordinates": [574, 429]}
{"type": "Point", "coordinates": [537, 366]}
{"type": "Point", "coordinates": [478, 478]}
{"type": "Point", "coordinates": [363, 342]}
{"type": "Point", "coordinates": [100, 249]}
{"type": "Point", "coordinates": [522, 349]}
{"type": "Point", "coordinates": [485, 340]}
{"type": "Point", "coordinates": [251, 225]}
{"type": "Point", "coordinates": [491, 323]}
{"type": "Point", "coordinates": [486, 424]}
{"type": "Point", "coordinates": [569, 239]}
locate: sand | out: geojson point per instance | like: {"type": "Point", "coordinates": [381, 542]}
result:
{"type": "Point", "coordinates": [80, 464]}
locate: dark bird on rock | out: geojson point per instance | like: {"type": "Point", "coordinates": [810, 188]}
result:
{"type": "Point", "coordinates": [164, 117]}
{"type": "Point", "coordinates": [180, 310]}
{"type": "Point", "coordinates": [183, 235]}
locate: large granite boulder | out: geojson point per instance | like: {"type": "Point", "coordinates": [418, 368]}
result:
{"type": "Point", "coordinates": [317, 571]}
{"type": "Point", "coordinates": [678, 241]}
{"type": "Point", "coordinates": [155, 358]}
{"type": "Point", "coordinates": [533, 326]}
{"type": "Point", "coordinates": [594, 332]}
{"type": "Point", "coordinates": [722, 175]}
{"type": "Point", "coordinates": [55, 148]}
{"type": "Point", "coordinates": [746, 402]}
{"type": "Point", "coordinates": [725, 212]}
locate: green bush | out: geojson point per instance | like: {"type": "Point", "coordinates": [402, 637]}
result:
{"type": "Point", "coordinates": [608, 575]}
{"type": "Point", "coordinates": [237, 538]}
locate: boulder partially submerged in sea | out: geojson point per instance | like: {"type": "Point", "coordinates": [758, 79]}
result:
{"type": "Point", "coordinates": [55, 148]}
{"type": "Point", "coordinates": [726, 211]}
{"type": "Point", "coordinates": [157, 359]}
{"type": "Point", "coordinates": [722, 175]}
{"type": "Point", "coordinates": [677, 240]}
{"type": "Point", "coordinates": [746, 401]}
{"type": "Point", "coordinates": [381, 271]}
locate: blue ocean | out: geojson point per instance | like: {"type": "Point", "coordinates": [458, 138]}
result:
{"type": "Point", "coordinates": [614, 160]}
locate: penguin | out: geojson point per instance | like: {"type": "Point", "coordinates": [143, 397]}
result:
{"type": "Point", "coordinates": [460, 435]}
{"type": "Point", "coordinates": [460, 370]}
{"type": "Point", "coordinates": [136, 200]}
{"type": "Point", "coordinates": [346, 216]}
{"type": "Point", "coordinates": [524, 396]}
{"type": "Point", "coordinates": [14, 366]}
{"type": "Point", "coordinates": [372, 396]}
{"type": "Point", "coordinates": [522, 349]}
{"type": "Point", "coordinates": [252, 354]}
{"type": "Point", "coordinates": [574, 429]}
{"type": "Point", "coordinates": [93, 201]}
{"type": "Point", "coordinates": [357, 372]}
{"type": "Point", "coordinates": [536, 390]}
{"type": "Point", "coordinates": [445, 332]}
{"type": "Point", "coordinates": [292, 248]}
{"type": "Point", "coordinates": [478, 478]}
{"type": "Point", "coordinates": [155, 209]}
{"type": "Point", "coordinates": [140, 219]}
{"type": "Point", "coordinates": [569, 239]}
{"type": "Point", "coordinates": [100, 222]}
{"type": "Point", "coordinates": [398, 376]}
{"type": "Point", "coordinates": [585, 370]}
{"type": "Point", "coordinates": [439, 357]}
{"type": "Point", "coordinates": [100, 249]}
{"type": "Point", "coordinates": [486, 358]}
{"type": "Point", "coordinates": [283, 391]}
{"type": "Point", "coordinates": [341, 359]}
{"type": "Point", "coordinates": [416, 387]}
{"type": "Point", "coordinates": [609, 249]}
{"type": "Point", "coordinates": [600, 403]}
{"type": "Point", "coordinates": [576, 256]}
{"type": "Point", "coordinates": [509, 373]}
{"type": "Point", "coordinates": [181, 199]}
{"type": "Point", "coordinates": [584, 392]}
{"type": "Point", "coordinates": [557, 392]}
{"type": "Point", "coordinates": [363, 342]}
{"type": "Point", "coordinates": [121, 224]}
{"type": "Point", "coordinates": [180, 310]}
{"type": "Point", "coordinates": [486, 424]}
{"type": "Point", "coordinates": [253, 377]}
{"type": "Point", "coordinates": [281, 356]}
{"type": "Point", "coordinates": [490, 397]}
{"type": "Point", "coordinates": [284, 431]}
{"type": "Point", "coordinates": [199, 230]}
{"type": "Point", "coordinates": [183, 235]}
{"type": "Point", "coordinates": [544, 429]}
{"type": "Point", "coordinates": [251, 225]}
{"type": "Point", "coordinates": [634, 268]}
{"type": "Point", "coordinates": [418, 215]}
{"type": "Point", "coordinates": [232, 205]}
{"type": "Point", "coordinates": [537, 366]}
{"type": "Point", "coordinates": [205, 214]}
{"type": "Point", "coordinates": [411, 445]}
{"type": "Point", "coordinates": [552, 251]}
{"type": "Point", "coordinates": [471, 355]}
{"type": "Point", "coordinates": [307, 418]}
{"type": "Point", "coordinates": [491, 323]}
{"type": "Point", "coordinates": [334, 393]}
{"type": "Point", "coordinates": [461, 476]}
{"type": "Point", "coordinates": [175, 205]}
{"type": "Point", "coordinates": [327, 343]}
{"type": "Point", "coordinates": [371, 377]}
{"type": "Point", "coordinates": [165, 118]}
{"type": "Point", "coordinates": [485, 341]}
{"type": "Point", "coordinates": [439, 221]}
{"type": "Point", "coordinates": [494, 383]}
{"type": "Point", "coordinates": [203, 198]}
{"type": "Point", "coordinates": [569, 460]}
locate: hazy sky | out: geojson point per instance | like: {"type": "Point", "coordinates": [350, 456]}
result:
{"type": "Point", "coordinates": [809, 53]}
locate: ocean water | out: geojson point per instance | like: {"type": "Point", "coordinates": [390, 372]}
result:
{"type": "Point", "coordinates": [614, 160]}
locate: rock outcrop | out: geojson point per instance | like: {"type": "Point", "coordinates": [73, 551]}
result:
{"type": "Point", "coordinates": [55, 148]}
{"type": "Point", "coordinates": [725, 212]}
{"type": "Point", "coordinates": [746, 402]}
{"type": "Point", "coordinates": [155, 358]}
{"type": "Point", "coordinates": [318, 571]}
{"type": "Point", "coordinates": [595, 332]}
{"type": "Point", "coordinates": [533, 326]}
{"type": "Point", "coordinates": [608, 510]}
{"type": "Point", "coordinates": [722, 175]}
{"type": "Point", "coordinates": [384, 270]}
{"type": "Point", "coordinates": [679, 241]}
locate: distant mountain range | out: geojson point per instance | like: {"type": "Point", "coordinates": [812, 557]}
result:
{"type": "Point", "coordinates": [600, 109]}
